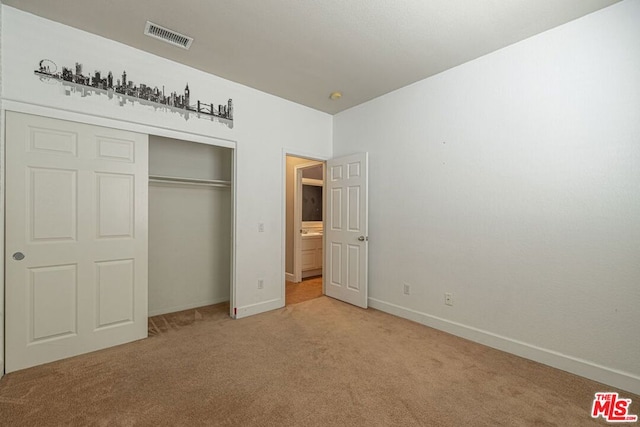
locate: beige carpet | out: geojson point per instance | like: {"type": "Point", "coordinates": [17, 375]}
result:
{"type": "Point", "coordinates": [320, 362]}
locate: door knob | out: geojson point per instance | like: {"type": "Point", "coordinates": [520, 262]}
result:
{"type": "Point", "coordinates": [362, 238]}
{"type": "Point", "coordinates": [18, 256]}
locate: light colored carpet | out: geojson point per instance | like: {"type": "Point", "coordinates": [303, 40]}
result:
{"type": "Point", "coordinates": [316, 363]}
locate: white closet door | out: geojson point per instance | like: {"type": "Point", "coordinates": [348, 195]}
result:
{"type": "Point", "coordinates": [76, 239]}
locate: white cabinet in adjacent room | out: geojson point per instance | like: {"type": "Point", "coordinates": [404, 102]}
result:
{"type": "Point", "coordinates": [311, 255]}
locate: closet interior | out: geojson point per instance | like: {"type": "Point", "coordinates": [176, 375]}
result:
{"type": "Point", "coordinates": [190, 223]}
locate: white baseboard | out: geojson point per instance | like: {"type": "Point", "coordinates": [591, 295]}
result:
{"type": "Point", "coordinates": [584, 368]}
{"type": "Point", "coordinates": [312, 273]}
{"type": "Point", "coordinates": [261, 307]}
{"type": "Point", "coordinates": [174, 308]}
{"type": "Point", "coordinates": [289, 277]}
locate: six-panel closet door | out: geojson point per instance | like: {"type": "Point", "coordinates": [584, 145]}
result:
{"type": "Point", "coordinates": [76, 238]}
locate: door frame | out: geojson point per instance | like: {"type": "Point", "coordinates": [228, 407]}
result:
{"type": "Point", "coordinates": [21, 107]}
{"type": "Point", "coordinates": [298, 170]}
{"type": "Point", "coordinates": [312, 158]}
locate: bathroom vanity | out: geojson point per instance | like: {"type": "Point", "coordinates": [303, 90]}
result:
{"type": "Point", "coordinates": [311, 254]}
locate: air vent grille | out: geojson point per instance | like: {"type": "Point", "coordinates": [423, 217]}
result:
{"type": "Point", "coordinates": [159, 32]}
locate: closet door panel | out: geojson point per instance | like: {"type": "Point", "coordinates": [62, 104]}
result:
{"type": "Point", "coordinates": [76, 199]}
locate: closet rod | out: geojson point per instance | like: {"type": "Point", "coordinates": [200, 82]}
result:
{"type": "Point", "coordinates": [189, 181]}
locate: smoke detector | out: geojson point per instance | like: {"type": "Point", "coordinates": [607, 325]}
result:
{"type": "Point", "coordinates": [172, 37]}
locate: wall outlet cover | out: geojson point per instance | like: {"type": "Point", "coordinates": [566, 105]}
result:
{"type": "Point", "coordinates": [406, 288]}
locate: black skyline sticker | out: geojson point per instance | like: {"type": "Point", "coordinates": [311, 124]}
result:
{"type": "Point", "coordinates": [124, 90]}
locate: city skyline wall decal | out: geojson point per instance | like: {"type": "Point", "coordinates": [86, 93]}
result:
{"type": "Point", "coordinates": [124, 90]}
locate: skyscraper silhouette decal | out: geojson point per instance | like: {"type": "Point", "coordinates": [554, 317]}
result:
{"type": "Point", "coordinates": [126, 90]}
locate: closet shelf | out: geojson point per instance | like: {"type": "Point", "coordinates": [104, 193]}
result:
{"type": "Point", "coordinates": [190, 181]}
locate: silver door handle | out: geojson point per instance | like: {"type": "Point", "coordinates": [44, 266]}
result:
{"type": "Point", "coordinates": [18, 256]}
{"type": "Point", "coordinates": [362, 238]}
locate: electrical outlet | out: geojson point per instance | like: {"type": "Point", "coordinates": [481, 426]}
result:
{"type": "Point", "coordinates": [261, 227]}
{"type": "Point", "coordinates": [406, 289]}
{"type": "Point", "coordinates": [448, 299]}
{"type": "Point", "coordinates": [260, 283]}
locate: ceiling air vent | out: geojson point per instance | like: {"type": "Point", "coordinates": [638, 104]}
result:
{"type": "Point", "coordinates": [167, 35]}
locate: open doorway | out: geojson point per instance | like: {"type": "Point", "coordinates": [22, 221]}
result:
{"type": "Point", "coordinates": [190, 203]}
{"type": "Point", "coordinates": [304, 229]}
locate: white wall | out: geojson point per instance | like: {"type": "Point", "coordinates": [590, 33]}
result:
{"type": "Point", "coordinates": [513, 182]}
{"type": "Point", "coordinates": [264, 126]}
{"type": "Point", "coordinates": [1, 209]}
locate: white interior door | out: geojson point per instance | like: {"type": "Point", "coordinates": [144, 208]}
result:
{"type": "Point", "coordinates": [76, 239]}
{"type": "Point", "coordinates": [346, 229]}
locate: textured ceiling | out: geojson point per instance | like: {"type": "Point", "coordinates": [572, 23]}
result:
{"type": "Point", "coordinates": [303, 50]}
